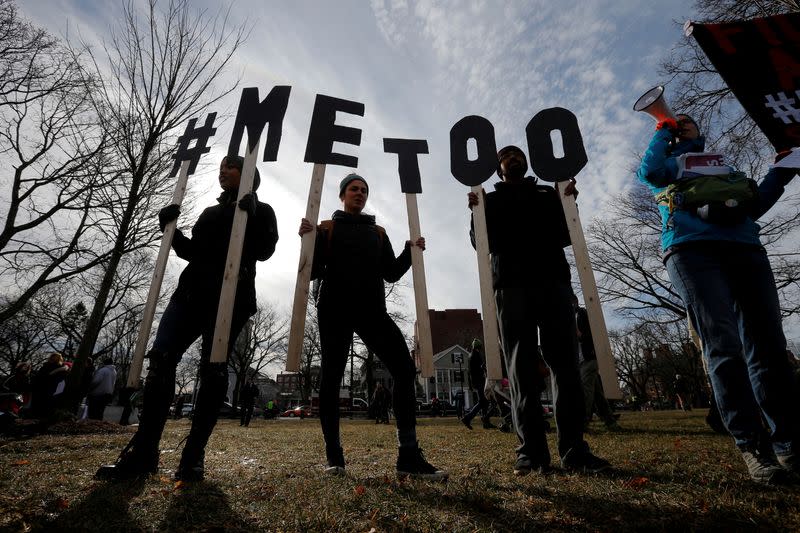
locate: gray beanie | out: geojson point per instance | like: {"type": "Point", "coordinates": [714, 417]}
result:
{"type": "Point", "coordinates": [347, 179]}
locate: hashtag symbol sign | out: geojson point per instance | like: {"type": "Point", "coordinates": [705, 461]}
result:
{"type": "Point", "coordinates": [784, 107]}
{"type": "Point", "coordinates": [201, 135]}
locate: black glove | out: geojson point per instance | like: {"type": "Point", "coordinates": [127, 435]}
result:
{"type": "Point", "coordinates": [167, 215]}
{"type": "Point", "coordinates": [248, 203]}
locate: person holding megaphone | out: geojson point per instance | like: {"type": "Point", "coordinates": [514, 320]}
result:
{"type": "Point", "coordinates": [715, 260]}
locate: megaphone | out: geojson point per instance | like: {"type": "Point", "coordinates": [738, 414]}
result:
{"type": "Point", "coordinates": [652, 102]}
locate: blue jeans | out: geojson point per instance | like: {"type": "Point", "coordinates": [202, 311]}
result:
{"type": "Point", "coordinates": [730, 296]}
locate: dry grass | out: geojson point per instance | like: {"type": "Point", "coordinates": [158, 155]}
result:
{"type": "Point", "coordinates": [671, 473]}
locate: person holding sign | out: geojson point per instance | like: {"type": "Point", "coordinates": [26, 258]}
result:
{"type": "Point", "coordinates": [191, 313]}
{"type": "Point", "coordinates": [719, 268]}
{"type": "Point", "coordinates": [531, 279]}
{"type": "Point", "coordinates": [352, 258]}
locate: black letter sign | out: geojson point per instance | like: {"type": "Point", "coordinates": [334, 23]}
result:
{"type": "Point", "coordinates": [408, 164]}
{"type": "Point", "coordinates": [543, 163]}
{"type": "Point", "coordinates": [468, 172]}
{"type": "Point", "coordinates": [324, 132]}
{"type": "Point", "coordinates": [254, 116]}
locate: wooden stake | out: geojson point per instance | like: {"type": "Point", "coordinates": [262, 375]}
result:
{"type": "Point", "coordinates": [155, 285]}
{"type": "Point", "coordinates": [494, 368]}
{"type": "Point", "coordinates": [300, 305]}
{"type": "Point", "coordinates": [420, 290]}
{"type": "Point", "coordinates": [597, 323]}
{"type": "Point", "coordinates": [230, 280]}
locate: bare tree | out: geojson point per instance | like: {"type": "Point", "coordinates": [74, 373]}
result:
{"type": "Point", "coordinates": [24, 337]}
{"type": "Point", "coordinates": [262, 342]}
{"type": "Point", "coordinates": [159, 70]}
{"type": "Point", "coordinates": [54, 150]}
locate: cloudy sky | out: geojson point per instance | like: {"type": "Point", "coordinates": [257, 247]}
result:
{"type": "Point", "coordinates": [419, 67]}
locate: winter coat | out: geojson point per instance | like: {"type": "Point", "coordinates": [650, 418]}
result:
{"type": "Point", "coordinates": [207, 252]}
{"type": "Point", "coordinates": [353, 261]}
{"type": "Point", "coordinates": [659, 169]}
{"type": "Point", "coordinates": [527, 234]}
{"type": "Point", "coordinates": [103, 381]}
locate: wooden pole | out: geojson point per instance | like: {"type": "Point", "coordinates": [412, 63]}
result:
{"type": "Point", "coordinates": [298, 325]}
{"type": "Point", "coordinates": [597, 323]}
{"type": "Point", "coordinates": [155, 285]}
{"type": "Point", "coordinates": [424, 339]}
{"type": "Point", "coordinates": [494, 368]}
{"type": "Point", "coordinates": [230, 279]}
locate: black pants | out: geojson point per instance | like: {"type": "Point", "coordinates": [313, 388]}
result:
{"type": "Point", "coordinates": [181, 324]}
{"type": "Point", "coordinates": [484, 406]}
{"type": "Point", "coordinates": [383, 337]}
{"type": "Point", "coordinates": [247, 414]}
{"type": "Point", "coordinates": [96, 405]}
{"type": "Point", "coordinates": [520, 311]}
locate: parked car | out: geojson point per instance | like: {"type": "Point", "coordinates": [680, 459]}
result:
{"type": "Point", "coordinates": [186, 409]}
{"type": "Point", "coordinates": [300, 411]}
{"type": "Point", "coordinates": [360, 404]}
{"type": "Point", "coordinates": [226, 411]}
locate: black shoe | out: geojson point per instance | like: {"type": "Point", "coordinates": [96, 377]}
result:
{"type": "Point", "coordinates": [131, 464]}
{"type": "Point", "coordinates": [192, 466]}
{"type": "Point", "coordinates": [335, 461]}
{"type": "Point", "coordinates": [583, 461]}
{"type": "Point", "coordinates": [505, 428]}
{"type": "Point", "coordinates": [466, 422]}
{"type": "Point", "coordinates": [488, 425]}
{"type": "Point", "coordinates": [525, 466]}
{"type": "Point", "coordinates": [411, 462]}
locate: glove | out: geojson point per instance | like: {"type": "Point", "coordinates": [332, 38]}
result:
{"type": "Point", "coordinates": [167, 215]}
{"type": "Point", "coordinates": [248, 203]}
{"type": "Point", "coordinates": [669, 124]}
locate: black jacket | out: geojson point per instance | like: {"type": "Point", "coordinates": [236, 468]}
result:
{"type": "Point", "coordinates": [477, 369]}
{"type": "Point", "coordinates": [587, 344]}
{"type": "Point", "coordinates": [354, 261]}
{"type": "Point", "coordinates": [207, 251]}
{"type": "Point", "coordinates": [527, 234]}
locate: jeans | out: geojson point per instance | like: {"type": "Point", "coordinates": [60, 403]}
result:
{"type": "Point", "coordinates": [593, 394]}
{"type": "Point", "coordinates": [730, 296]}
{"type": "Point", "coordinates": [520, 311]}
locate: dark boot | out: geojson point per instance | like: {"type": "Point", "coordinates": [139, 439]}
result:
{"type": "Point", "coordinates": [140, 456]}
{"type": "Point", "coordinates": [335, 461]}
{"type": "Point", "coordinates": [211, 394]}
{"type": "Point", "coordinates": [411, 463]}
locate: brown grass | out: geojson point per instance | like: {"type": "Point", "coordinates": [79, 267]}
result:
{"type": "Point", "coordinates": [671, 473]}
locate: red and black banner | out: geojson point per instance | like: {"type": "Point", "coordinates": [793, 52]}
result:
{"type": "Point", "coordinates": [759, 59]}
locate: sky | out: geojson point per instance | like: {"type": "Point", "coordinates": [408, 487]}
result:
{"type": "Point", "coordinates": [419, 67]}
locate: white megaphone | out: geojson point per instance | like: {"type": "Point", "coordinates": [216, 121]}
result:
{"type": "Point", "coordinates": [652, 102]}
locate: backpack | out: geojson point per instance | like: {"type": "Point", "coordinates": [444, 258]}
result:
{"type": "Point", "coordinates": [720, 199]}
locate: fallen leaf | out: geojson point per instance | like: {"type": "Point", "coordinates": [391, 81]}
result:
{"type": "Point", "coordinates": [360, 490]}
{"type": "Point", "coordinates": [21, 462]}
{"type": "Point", "coordinates": [61, 503]}
{"type": "Point", "coordinates": [636, 482]}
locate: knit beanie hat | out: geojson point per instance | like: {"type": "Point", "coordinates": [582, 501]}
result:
{"type": "Point", "coordinates": [346, 181]}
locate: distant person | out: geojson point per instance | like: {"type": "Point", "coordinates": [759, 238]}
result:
{"type": "Point", "coordinates": [101, 389]}
{"type": "Point", "coordinates": [20, 382]}
{"type": "Point", "coordinates": [716, 263]}
{"type": "Point", "coordinates": [477, 379]}
{"type": "Point", "coordinates": [248, 400]}
{"type": "Point", "coordinates": [380, 400]}
{"type": "Point", "coordinates": [594, 396]}
{"type": "Point", "coordinates": [353, 258]}
{"type": "Point", "coordinates": [45, 385]}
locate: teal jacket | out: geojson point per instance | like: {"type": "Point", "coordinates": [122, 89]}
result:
{"type": "Point", "coordinates": [659, 169]}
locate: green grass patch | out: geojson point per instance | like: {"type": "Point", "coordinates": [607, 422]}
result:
{"type": "Point", "coordinates": [670, 473]}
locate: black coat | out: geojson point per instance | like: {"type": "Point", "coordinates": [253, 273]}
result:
{"type": "Point", "coordinates": [477, 369]}
{"type": "Point", "coordinates": [354, 261]}
{"type": "Point", "coordinates": [207, 251]}
{"type": "Point", "coordinates": [527, 234]}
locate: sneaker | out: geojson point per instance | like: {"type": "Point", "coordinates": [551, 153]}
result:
{"type": "Point", "coordinates": [466, 422]}
{"type": "Point", "coordinates": [335, 465]}
{"type": "Point", "coordinates": [411, 462]}
{"type": "Point", "coordinates": [505, 428]}
{"type": "Point", "coordinates": [583, 461]}
{"type": "Point", "coordinates": [763, 467]}
{"type": "Point", "coordinates": [524, 466]}
{"type": "Point", "coordinates": [789, 462]}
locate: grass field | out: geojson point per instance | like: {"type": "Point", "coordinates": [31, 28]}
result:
{"type": "Point", "coordinates": [671, 473]}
